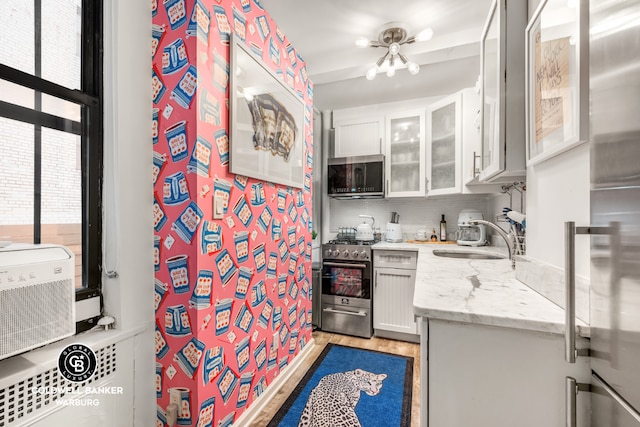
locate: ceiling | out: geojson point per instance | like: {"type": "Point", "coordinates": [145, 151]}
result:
{"type": "Point", "coordinates": [324, 34]}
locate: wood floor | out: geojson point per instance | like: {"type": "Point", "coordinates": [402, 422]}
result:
{"type": "Point", "coordinates": [380, 344]}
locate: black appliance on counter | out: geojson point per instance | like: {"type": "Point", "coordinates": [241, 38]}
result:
{"type": "Point", "coordinates": [356, 177]}
{"type": "Point", "coordinates": [347, 283]}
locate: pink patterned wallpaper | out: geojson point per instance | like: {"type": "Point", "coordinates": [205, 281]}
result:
{"type": "Point", "coordinates": [233, 296]}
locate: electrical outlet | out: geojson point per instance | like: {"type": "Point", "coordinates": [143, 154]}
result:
{"type": "Point", "coordinates": [174, 397]}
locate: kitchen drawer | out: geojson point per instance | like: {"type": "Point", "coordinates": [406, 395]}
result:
{"type": "Point", "coordinates": [395, 259]}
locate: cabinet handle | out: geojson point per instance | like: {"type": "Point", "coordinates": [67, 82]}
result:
{"type": "Point", "coordinates": [380, 145]}
{"type": "Point", "coordinates": [570, 231]}
{"type": "Point", "coordinates": [349, 313]}
{"type": "Point", "coordinates": [387, 186]}
{"type": "Point", "coordinates": [476, 170]}
{"type": "Point", "coordinates": [572, 388]}
{"type": "Point", "coordinates": [375, 280]}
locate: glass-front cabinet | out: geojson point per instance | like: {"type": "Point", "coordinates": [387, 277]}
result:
{"type": "Point", "coordinates": [405, 156]}
{"type": "Point", "coordinates": [502, 94]}
{"type": "Point", "coordinates": [444, 145]}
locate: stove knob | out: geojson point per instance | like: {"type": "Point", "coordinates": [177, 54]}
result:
{"type": "Point", "coordinates": [328, 253]}
{"type": "Point", "coordinates": [345, 253]}
{"type": "Point", "coordinates": [355, 254]}
{"type": "Point", "coordinates": [363, 255]}
{"type": "Point", "coordinates": [335, 253]}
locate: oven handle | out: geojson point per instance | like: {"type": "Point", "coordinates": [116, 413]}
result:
{"type": "Point", "coordinates": [351, 313]}
{"type": "Point", "coordinates": [344, 264]}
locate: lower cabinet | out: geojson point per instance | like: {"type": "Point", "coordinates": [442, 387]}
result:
{"type": "Point", "coordinates": [393, 284]}
{"type": "Point", "coordinates": [477, 375]}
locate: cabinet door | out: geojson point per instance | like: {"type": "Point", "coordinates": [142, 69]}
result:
{"type": "Point", "coordinates": [405, 155]}
{"type": "Point", "coordinates": [502, 377]}
{"type": "Point", "coordinates": [358, 137]}
{"type": "Point", "coordinates": [444, 146]}
{"type": "Point", "coordinates": [393, 300]}
{"type": "Point", "coordinates": [502, 95]}
{"type": "Point", "coordinates": [492, 157]}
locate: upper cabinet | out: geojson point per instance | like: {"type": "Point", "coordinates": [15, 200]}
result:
{"type": "Point", "coordinates": [502, 95]}
{"type": "Point", "coordinates": [453, 146]}
{"type": "Point", "coordinates": [358, 136]}
{"type": "Point", "coordinates": [444, 144]}
{"type": "Point", "coordinates": [405, 157]}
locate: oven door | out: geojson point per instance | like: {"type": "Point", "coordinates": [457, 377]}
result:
{"type": "Point", "coordinates": [346, 279]}
{"type": "Point", "coordinates": [346, 298]}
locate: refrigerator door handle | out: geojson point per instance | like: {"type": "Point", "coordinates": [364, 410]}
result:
{"type": "Point", "coordinates": [572, 388]}
{"type": "Point", "coordinates": [570, 231]}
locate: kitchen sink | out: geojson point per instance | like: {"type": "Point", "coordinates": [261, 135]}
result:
{"type": "Point", "coordinates": [466, 254]}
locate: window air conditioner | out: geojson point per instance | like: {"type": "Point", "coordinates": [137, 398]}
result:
{"type": "Point", "coordinates": [37, 296]}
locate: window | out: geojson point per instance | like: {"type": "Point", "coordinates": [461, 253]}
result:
{"type": "Point", "coordinates": [51, 130]}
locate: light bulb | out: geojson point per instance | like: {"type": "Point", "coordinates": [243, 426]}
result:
{"type": "Point", "coordinates": [394, 48]}
{"type": "Point", "coordinates": [413, 68]}
{"type": "Point", "coordinates": [371, 73]}
{"type": "Point", "coordinates": [424, 35]}
{"type": "Point", "coordinates": [362, 42]}
{"type": "Point", "coordinates": [391, 70]}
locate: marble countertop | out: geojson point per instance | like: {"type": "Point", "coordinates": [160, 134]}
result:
{"type": "Point", "coordinates": [483, 292]}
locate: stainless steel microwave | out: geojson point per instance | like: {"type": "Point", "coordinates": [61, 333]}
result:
{"type": "Point", "coordinates": [356, 177]}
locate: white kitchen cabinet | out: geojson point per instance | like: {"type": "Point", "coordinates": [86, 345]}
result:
{"type": "Point", "coordinates": [358, 136]}
{"type": "Point", "coordinates": [405, 154]}
{"type": "Point", "coordinates": [453, 146]}
{"type": "Point", "coordinates": [495, 376]}
{"type": "Point", "coordinates": [393, 286]}
{"type": "Point", "coordinates": [444, 145]}
{"type": "Point", "coordinates": [502, 59]}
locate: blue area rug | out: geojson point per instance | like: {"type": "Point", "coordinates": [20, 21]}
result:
{"type": "Point", "coordinates": [383, 401]}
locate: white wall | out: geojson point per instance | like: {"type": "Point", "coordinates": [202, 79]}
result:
{"type": "Point", "coordinates": [558, 191]}
{"type": "Point", "coordinates": [128, 198]}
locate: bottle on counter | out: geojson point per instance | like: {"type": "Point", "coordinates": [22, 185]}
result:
{"type": "Point", "coordinates": [434, 236]}
{"type": "Point", "coordinates": [443, 230]}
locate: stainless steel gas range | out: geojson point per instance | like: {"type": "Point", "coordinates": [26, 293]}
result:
{"type": "Point", "coordinates": [347, 287]}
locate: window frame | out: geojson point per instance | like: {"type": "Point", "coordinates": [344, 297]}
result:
{"type": "Point", "coordinates": [91, 132]}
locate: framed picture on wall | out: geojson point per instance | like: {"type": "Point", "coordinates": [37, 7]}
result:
{"type": "Point", "coordinates": [266, 121]}
{"type": "Point", "coordinates": [557, 79]}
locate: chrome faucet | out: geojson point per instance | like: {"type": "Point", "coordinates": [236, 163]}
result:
{"type": "Point", "coordinates": [507, 238]}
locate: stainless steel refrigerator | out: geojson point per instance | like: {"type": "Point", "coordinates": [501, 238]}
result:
{"type": "Point", "coordinates": [614, 68]}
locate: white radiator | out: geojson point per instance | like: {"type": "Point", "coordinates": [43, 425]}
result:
{"type": "Point", "coordinates": [37, 296]}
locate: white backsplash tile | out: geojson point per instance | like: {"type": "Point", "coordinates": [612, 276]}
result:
{"type": "Point", "coordinates": [415, 213]}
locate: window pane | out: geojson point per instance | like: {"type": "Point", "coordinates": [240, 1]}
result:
{"type": "Point", "coordinates": [24, 97]}
{"type": "Point", "coordinates": [16, 176]}
{"type": "Point", "coordinates": [62, 193]}
{"type": "Point", "coordinates": [17, 35]}
{"type": "Point", "coordinates": [15, 94]}
{"type": "Point", "coordinates": [61, 35]}
{"type": "Point", "coordinates": [61, 108]}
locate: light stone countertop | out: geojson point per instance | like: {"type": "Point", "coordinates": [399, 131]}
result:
{"type": "Point", "coordinates": [482, 292]}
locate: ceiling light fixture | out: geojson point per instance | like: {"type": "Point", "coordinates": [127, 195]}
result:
{"type": "Point", "coordinates": [392, 37]}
